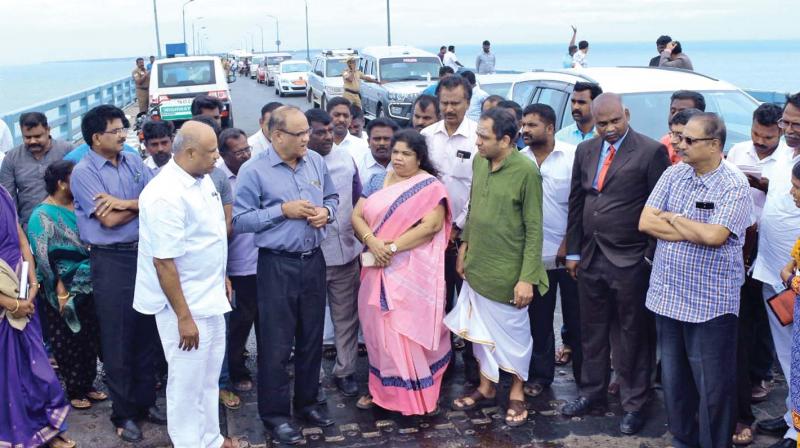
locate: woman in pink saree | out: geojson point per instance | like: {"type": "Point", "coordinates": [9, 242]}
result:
{"type": "Point", "coordinates": [403, 219]}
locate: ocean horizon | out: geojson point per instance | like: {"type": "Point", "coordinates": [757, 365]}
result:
{"type": "Point", "coordinates": [762, 65]}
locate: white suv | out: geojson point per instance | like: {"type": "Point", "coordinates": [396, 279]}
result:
{"type": "Point", "coordinates": [646, 92]}
{"type": "Point", "coordinates": [325, 81]}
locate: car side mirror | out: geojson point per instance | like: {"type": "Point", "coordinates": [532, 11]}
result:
{"type": "Point", "coordinates": [231, 78]}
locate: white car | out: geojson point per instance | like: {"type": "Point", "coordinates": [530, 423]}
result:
{"type": "Point", "coordinates": [270, 64]}
{"type": "Point", "coordinates": [325, 80]}
{"type": "Point", "coordinates": [175, 82]}
{"type": "Point", "coordinates": [292, 78]}
{"type": "Point", "coordinates": [497, 83]}
{"type": "Point", "coordinates": [645, 91]}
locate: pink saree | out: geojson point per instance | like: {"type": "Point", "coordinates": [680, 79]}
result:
{"type": "Point", "coordinates": [401, 306]}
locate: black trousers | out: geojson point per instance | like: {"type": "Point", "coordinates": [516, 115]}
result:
{"type": "Point", "coordinates": [242, 318]}
{"type": "Point", "coordinates": [697, 361]}
{"type": "Point", "coordinates": [541, 312]}
{"type": "Point", "coordinates": [608, 293]}
{"type": "Point", "coordinates": [128, 339]}
{"type": "Point", "coordinates": [291, 310]}
{"type": "Point", "coordinates": [749, 357]}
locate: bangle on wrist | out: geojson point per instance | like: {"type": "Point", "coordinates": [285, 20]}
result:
{"type": "Point", "coordinates": [17, 308]}
{"type": "Point", "coordinates": [366, 236]}
{"type": "Point", "coordinates": [63, 297]}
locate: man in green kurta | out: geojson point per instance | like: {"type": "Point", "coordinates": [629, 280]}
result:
{"type": "Point", "coordinates": [500, 260]}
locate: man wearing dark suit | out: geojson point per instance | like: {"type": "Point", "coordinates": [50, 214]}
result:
{"type": "Point", "coordinates": [612, 177]}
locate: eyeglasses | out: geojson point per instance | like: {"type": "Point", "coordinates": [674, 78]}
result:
{"type": "Point", "coordinates": [298, 134]}
{"type": "Point", "coordinates": [783, 124]}
{"type": "Point", "coordinates": [118, 131]}
{"type": "Point", "coordinates": [690, 141]}
{"type": "Point", "coordinates": [242, 151]}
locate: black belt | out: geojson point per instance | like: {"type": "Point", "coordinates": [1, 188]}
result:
{"type": "Point", "coordinates": [295, 255]}
{"type": "Point", "coordinates": [143, 88]}
{"type": "Point", "coordinates": [118, 246]}
{"type": "Point", "coordinates": [354, 92]}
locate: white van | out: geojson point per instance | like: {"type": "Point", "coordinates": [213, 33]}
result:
{"type": "Point", "coordinates": [271, 62]}
{"type": "Point", "coordinates": [175, 82]}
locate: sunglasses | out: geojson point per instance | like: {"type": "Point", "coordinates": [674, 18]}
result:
{"type": "Point", "coordinates": [692, 140]}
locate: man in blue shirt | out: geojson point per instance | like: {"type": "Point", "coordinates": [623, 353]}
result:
{"type": "Point", "coordinates": [444, 71]}
{"type": "Point", "coordinates": [106, 186]}
{"type": "Point", "coordinates": [583, 129]}
{"type": "Point", "coordinates": [286, 197]}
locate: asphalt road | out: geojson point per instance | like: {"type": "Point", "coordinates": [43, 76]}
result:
{"type": "Point", "coordinates": [546, 427]}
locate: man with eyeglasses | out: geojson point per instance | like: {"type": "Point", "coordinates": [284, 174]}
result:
{"type": "Point", "coordinates": [698, 211]}
{"type": "Point", "coordinates": [287, 198]}
{"type": "Point", "coordinates": [778, 226]}
{"type": "Point", "coordinates": [22, 171]}
{"type": "Point", "coordinates": [341, 250]}
{"type": "Point", "coordinates": [106, 185]}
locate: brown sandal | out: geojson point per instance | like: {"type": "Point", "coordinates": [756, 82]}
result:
{"type": "Point", "coordinates": [743, 435]}
{"type": "Point", "coordinates": [96, 395]}
{"type": "Point", "coordinates": [478, 401]}
{"type": "Point", "coordinates": [518, 408]}
{"type": "Point", "coordinates": [229, 399]}
{"type": "Point", "coordinates": [234, 442]}
{"type": "Point", "coordinates": [61, 441]}
{"type": "Point", "coordinates": [365, 402]}
{"type": "Point", "coordinates": [563, 355]}
{"type": "Point", "coordinates": [80, 403]}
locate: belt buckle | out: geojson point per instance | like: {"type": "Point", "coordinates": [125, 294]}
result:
{"type": "Point", "coordinates": [304, 255]}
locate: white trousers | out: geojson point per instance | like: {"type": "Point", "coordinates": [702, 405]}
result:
{"type": "Point", "coordinates": [500, 334]}
{"type": "Point", "coordinates": [782, 338]}
{"type": "Point", "coordinates": [193, 381]}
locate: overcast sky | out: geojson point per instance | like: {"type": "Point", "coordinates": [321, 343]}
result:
{"type": "Point", "coordinates": [46, 30]}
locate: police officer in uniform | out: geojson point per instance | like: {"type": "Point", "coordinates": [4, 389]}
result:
{"type": "Point", "coordinates": [141, 77]}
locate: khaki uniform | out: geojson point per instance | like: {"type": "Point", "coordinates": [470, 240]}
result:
{"type": "Point", "coordinates": [352, 89]}
{"type": "Point", "coordinates": [141, 78]}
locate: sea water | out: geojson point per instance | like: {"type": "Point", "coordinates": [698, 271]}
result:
{"type": "Point", "coordinates": [762, 65]}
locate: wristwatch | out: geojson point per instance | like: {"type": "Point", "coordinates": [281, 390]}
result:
{"type": "Point", "coordinates": [393, 248]}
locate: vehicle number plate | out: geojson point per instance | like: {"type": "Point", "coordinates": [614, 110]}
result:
{"type": "Point", "coordinates": [176, 109]}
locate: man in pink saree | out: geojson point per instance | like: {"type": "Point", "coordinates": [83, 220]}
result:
{"type": "Point", "coordinates": [401, 219]}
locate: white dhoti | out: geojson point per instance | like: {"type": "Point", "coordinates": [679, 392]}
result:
{"type": "Point", "coordinates": [193, 381]}
{"type": "Point", "coordinates": [500, 334]}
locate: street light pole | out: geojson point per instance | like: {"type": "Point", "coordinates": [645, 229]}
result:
{"type": "Point", "coordinates": [308, 53]}
{"type": "Point", "coordinates": [262, 37]}
{"type": "Point", "coordinates": [277, 31]}
{"type": "Point", "coordinates": [388, 24]}
{"type": "Point", "coordinates": [183, 12]}
{"type": "Point", "coordinates": [158, 38]}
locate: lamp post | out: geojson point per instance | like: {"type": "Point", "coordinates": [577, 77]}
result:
{"type": "Point", "coordinates": [183, 12]}
{"type": "Point", "coordinates": [308, 53]}
{"type": "Point", "coordinates": [262, 37]}
{"type": "Point", "coordinates": [277, 31]}
{"type": "Point", "coordinates": [388, 24]}
{"type": "Point", "coordinates": [158, 38]}
{"type": "Point", "coordinates": [194, 34]}
{"type": "Point", "coordinates": [195, 37]}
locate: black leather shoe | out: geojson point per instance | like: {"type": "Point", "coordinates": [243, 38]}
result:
{"type": "Point", "coordinates": [156, 415]}
{"type": "Point", "coordinates": [773, 426]}
{"type": "Point", "coordinates": [578, 407]}
{"type": "Point", "coordinates": [632, 422]}
{"type": "Point", "coordinates": [286, 433]}
{"type": "Point", "coordinates": [347, 385]}
{"type": "Point", "coordinates": [785, 443]}
{"type": "Point", "coordinates": [130, 431]}
{"type": "Point", "coordinates": [317, 417]}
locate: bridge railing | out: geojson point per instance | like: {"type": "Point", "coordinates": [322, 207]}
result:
{"type": "Point", "coordinates": [64, 114]}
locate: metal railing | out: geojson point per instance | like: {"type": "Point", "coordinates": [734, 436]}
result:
{"type": "Point", "coordinates": [64, 114]}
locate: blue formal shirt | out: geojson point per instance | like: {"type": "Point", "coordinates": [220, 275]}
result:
{"type": "Point", "coordinates": [604, 154]}
{"type": "Point", "coordinates": [691, 282]}
{"type": "Point", "coordinates": [94, 175]}
{"type": "Point", "coordinates": [431, 89]}
{"type": "Point", "coordinates": [264, 183]}
{"type": "Point", "coordinates": [573, 135]}
{"type": "Point", "coordinates": [78, 153]}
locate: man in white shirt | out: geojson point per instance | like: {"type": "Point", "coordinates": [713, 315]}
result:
{"type": "Point", "coordinates": [478, 95]}
{"type": "Point", "coordinates": [376, 161]}
{"type": "Point", "coordinates": [451, 60]}
{"type": "Point", "coordinates": [579, 58]}
{"type": "Point", "coordinates": [6, 139]}
{"type": "Point", "coordinates": [554, 160]}
{"type": "Point", "coordinates": [235, 150]}
{"type": "Point", "coordinates": [357, 123]}
{"type": "Point", "coordinates": [339, 110]}
{"type": "Point", "coordinates": [259, 142]}
{"type": "Point", "coordinates": [158, 143]}
{"type": "Point", "coordinates": [180, 278]}
{"type": "Point", "coordinates": [778, 226]}
{"type": "Point", "coordinates": [451, 146]}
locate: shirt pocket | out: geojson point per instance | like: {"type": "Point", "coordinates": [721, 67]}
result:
{"type": "Point", "coordinates": [462, 166]}
{"type": "Point", "coordinates": [561, 189]}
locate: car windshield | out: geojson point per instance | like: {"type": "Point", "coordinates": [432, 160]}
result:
{"type": "Point", "coordinates": [335, 67]}
{"type": "Point", "coordinates": [256, 61]}
{"type": "Point", "coordinates": [410, 68]}
{"type": "Point", "coordinates": [275, 60]}
{"type": "Point", "coordinates": [295, 67]}
{"type": "Point", "coordinates": [649, 113]}
{"type": "Point", "coordinates": [498, 88]}
{"type": "Point", "coordinates": [186, 73]}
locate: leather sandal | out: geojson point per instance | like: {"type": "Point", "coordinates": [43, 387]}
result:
{"type": "Point", "coordinates": [80, 403]}
{"type": "Point", "coordinates": [478, 401]}
{"type": "Point", "coordinates": [61, 441]}
{"type": "Point", "coordinates": [563, 355]}
{"type": "Point", "coordinates": [96, 395]}
{"type": "Point", "coordinates": [516, 409]}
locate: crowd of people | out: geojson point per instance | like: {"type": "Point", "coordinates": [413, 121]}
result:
{"type": "Point", "coordinates": [456, 233]}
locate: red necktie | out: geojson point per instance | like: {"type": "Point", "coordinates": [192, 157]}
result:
{"type": "Point", "coordinates": [604, 169]}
